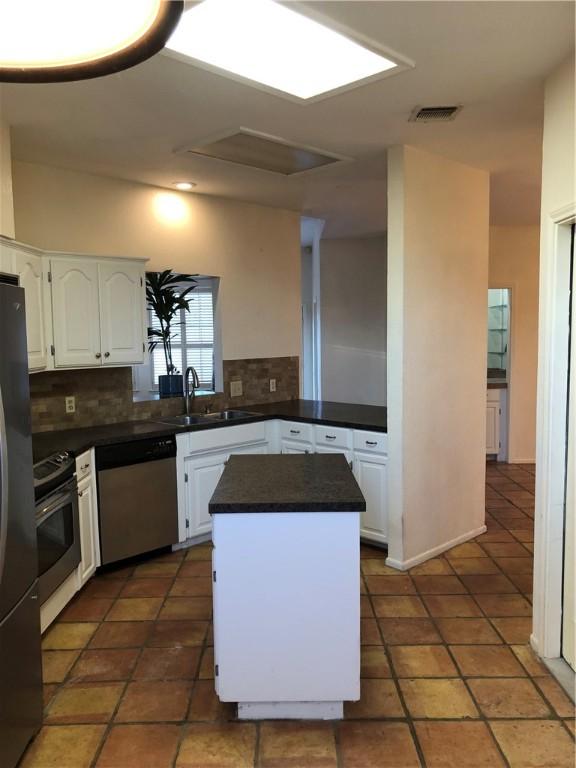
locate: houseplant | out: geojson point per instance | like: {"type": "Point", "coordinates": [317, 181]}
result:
{"type": "Point", "coordinates": [166, 295]}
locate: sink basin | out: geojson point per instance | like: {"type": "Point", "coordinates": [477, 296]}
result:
{"type": "Point", "coordinates": [230, 415]}
{"type": "Point", "coordinates": [183, 421]}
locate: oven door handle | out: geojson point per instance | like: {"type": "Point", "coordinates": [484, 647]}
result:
{"type": "Point", "coordinates": [54, 504]}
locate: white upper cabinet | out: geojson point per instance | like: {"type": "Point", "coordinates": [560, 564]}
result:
{"type": "Point", "coordinates": [98, 310]}
{"type": "Point", "coordinates": [122, 306]}
{"type": "Point", "coordinates": [26, 262]}
{"type": "Point", "coordinates": [75, 313]}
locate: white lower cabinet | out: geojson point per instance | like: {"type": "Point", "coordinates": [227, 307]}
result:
{"type": "Point", "coordinates": [371, 472]}
{"type": "Point", "coordinates": [290, 446]}
{"type": "Point", "coordinates": [88, 518]}
{"type": "Point", "coordinates": [347, 454]}
{"type": "Point", "coordinates": [201, 477]}
{"type": "Point", "coordinates": [493, 421]}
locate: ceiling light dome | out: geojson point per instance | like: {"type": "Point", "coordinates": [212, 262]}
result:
{"type": "Point", "coordinates": [43, 41]}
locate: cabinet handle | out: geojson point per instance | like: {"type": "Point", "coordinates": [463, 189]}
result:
{"type": "Point", "coordinates": [330, 437]}
{"type": "Point", "coordinates": [98, 355]}
{"type": "Point", "coordinates": [106, 354]}
{"type": "Point", "coordinates": [80, 493]}
{"type": "Point", "coordinates": [294, 431]}
{"type": "Point", "coordinates": [371, 442]}
{"type": "Point", "coordinates": [84, 466]}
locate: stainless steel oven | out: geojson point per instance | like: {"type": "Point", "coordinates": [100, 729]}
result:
{"type": "Point", "coordinates": [57, 522]}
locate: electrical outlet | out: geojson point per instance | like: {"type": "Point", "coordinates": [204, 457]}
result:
{"type": "Point", "coordinates": [272, 385]}
{"type": "Point", "coordinates": [71, 404]}
{"type": "Point", "coordinates": [236, 388]}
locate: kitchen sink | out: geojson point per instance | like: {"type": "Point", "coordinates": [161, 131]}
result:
{"type": "Point", "coordinates": [184, 421]}
{"type": "Point", "coordinates": [230, 415]}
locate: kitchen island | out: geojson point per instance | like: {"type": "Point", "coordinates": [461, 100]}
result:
{"type": "Point", "coordinates": [286, 571]}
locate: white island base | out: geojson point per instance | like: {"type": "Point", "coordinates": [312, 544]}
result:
{"type": "Point", "coordinates": [287, 612]}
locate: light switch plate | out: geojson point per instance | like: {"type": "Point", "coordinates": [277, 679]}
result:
{"type": "Point", "coordinates": [71, 404]}
{"type": "Point", "coordinates": [272, 385]}
{"type": "Point", "coordinates": [236, 388]}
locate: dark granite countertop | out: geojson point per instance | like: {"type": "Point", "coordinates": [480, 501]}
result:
{"type": "Point", "coordinates": [497, 384]}
{"type": "Point", "coordinates": [333, 414]}
{"type": "Point", "coordinates": [372, 417]}
{"type": "Point", "coordinates": [284, 483]}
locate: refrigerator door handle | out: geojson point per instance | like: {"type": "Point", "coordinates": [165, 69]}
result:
{"type": "Point", "coordinates": [3, 487]}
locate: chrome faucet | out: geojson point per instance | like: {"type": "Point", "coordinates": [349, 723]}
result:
{"type": "Point", "coordinates": [190, 393]}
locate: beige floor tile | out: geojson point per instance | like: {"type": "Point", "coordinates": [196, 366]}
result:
{"type": "Point", "coordinates": [167, 634]}
{"type": "Point", "coordinates": [225, 745]}
{"type": "Point", "coordinates": [409, 631]}
{"type": "Point", "coordinates": [488, 584]}
{"type": "Point", "coordinates": [366, 610]}
{"type": "Point", "coordinates": [121, 634]}
{"type": "Point", "coordinates": [374, 567]}
{"type": "Point", "coordinates": [515, 565]}
{"type": "Point", "coordinates": [422, 661]}
{"type": "Point", "coordinates": [378, 699]}
{"type": "Point", "coordinates": [64, 746]}
{"type": "Point", "coordinates": [529, 660]}
{"type": "Point", "coordinates": [390, 585]}
{"type": "Point", "coordinates": [84, 703]}
{"type": "Point", "coordinates": [399, 607]}
{"type": "Point", "coordinates": [457, 745]}
{"type": "Point", "coordinates": [192, 608]}
{"type": "Point", "coordinates": [513, 549]}
{"type": "Point", "coordinates": [469, 549]}
{"type": "Point", "coordinates": [468, 631]}
{"type": "Point", "coordinates": [369, 632]}
{"type": "Point", "coordinates": [105, 664]}
{"type": "Point", "coordinates": [205, 706]}
{"type": "Point", "coordinates": [556, 696]}
{"type": "Point", "coordinates": [438, 699]}
{"type": "Point", "coordinates": [135, 609]}
{"type": "Point", "coordinates": [464, 565]}
{"type": "Point", "coordinates": [534, 743]}
{"type": "Point", "coordinates": [199, 552]}
{"type": "Point", "coordinates": [167, 664]}
{"type": "Point", "coordinates": [68, 636]}
{"type": "Point", "coordinates": [504, 605]}
{"type": "Point", "coordinates": [201, 586]}
{"type": "Point", "coordinates": [486, 661]}
{"type": "Point", "coordinates": [292, 745]}
{"type": "Point", "coordinates": [452, 606]}
{"type": "Point", "coordinates": [516, 629]}
{"type": "Point", "coordinates": [439, 585]}
{"type": "Point", "coordinates": [377, 745]}
{"type": "Point", "coordinates": [154, 701]}
{"type": "Point", "coordinates": [508, 697]}
{"type": "Point", "coordinates": [374, 662]}
{"type": "Point", "coordinates": [140, 746]}
{"type": "Point", "coordinates": [57, 664]}
{"type": "Point", "coordinates": [156, 570]}
{"type": "Point", "coordinates": [438, 566]}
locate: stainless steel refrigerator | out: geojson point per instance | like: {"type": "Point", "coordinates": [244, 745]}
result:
{"type": "Point", "coordinates": [20, 659]}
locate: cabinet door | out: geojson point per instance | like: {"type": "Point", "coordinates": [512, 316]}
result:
{"type": "Point", "coordinates": [325, 449]}
{"type": "Point", "coordinates": [122, 308]}
{"type": "Point", "coordinates": [6, 258]}
{"type": "Point", "coordinates": [371, 472]}
{"type": "Point", "coordinates": [492, 427]}
{"type": "Point", "coordinates": [88, 537]}
{"type": "Point", "coordinates": [261, 448]}
{"type": "Point", "coordinates": [76, 314]}
{"type": "Point", "coordinates": [203, 473]}
{"type": "Point", "coordinates": [287, 446]}
{"type": "Point", "coordinates": [28, 267]}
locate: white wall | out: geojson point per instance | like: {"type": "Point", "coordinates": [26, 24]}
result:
{"type": "Point", "coordinates": [6, 197]}
{"type": "Point", "coordinates": [438, 221]}
{"type": "Point", "coordinates": [353, 290]}
{"type": "Point", "coordinates": [514, 261]}
{"type": "Point", "coordinates": [558, 204]}
{"type": "Point", "coordinates": [254, 249]}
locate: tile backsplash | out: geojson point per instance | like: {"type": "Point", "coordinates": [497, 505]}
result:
{"type": "Point", "coordinates": [104, 395]}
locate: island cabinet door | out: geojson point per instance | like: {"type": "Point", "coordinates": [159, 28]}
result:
{"type": "Point", "coordinates": [202, 474]}
{"type": "Point", "coordinates": [286, 610]}
{"type": "Point", "coordinates": [289, 446]}
{"type": "Point", "coordinates": [371, 472]}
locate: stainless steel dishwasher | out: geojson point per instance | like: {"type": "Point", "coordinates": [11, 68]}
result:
{"type": "Point", "coordinates": [137, 497]}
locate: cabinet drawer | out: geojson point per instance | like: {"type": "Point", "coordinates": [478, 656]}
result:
{"type": "Point", "coordinates": [294, 430]}
{"type": "Point", "coordinates": [84, 465]}
{"type": "Point", "coordinates": [493, 395]}
{"type": "Point", "coordinates": [336, 436]}
{"type": "Point", "coordinates": [372, 442]}
{"type": "Point", "coordinates": [225, 437]}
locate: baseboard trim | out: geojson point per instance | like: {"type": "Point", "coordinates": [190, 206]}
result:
{"type": "Point", "coordinates": [404, 565]}
{"type": "Point", "coordinates": [516, 460]}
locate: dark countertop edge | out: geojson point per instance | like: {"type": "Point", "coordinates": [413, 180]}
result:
{"type": "Point", "coordinates": [122, 431]}
{"type": "Point", "coordinates": [261, 508]}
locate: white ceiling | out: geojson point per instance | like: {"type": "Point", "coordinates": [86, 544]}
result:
{"type": "Point", "coordinates": [491, 57]}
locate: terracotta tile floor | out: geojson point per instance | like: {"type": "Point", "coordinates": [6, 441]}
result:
{"type": "Point", "coordinates": [448, 677]}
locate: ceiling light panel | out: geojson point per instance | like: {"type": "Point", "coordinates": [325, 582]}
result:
{"type": "Point", "coordinates": [274, 46]}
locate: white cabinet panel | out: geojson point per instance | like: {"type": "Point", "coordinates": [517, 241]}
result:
{"type": "Point", "coordinates": [76, 314]}
{"type": "Point", "coordinates": [288, 446]}
{"type": "Point", "coordinates": [28, 267]}
{"type": "Point", "coordinates": [244, 449]}
{"type": "Point", "coordinates": [202, 473]}
{"type": "Point", "coordinates": [326, 449]}
{"type": "Point", "coordinates": [492, 427]}
{"type": "Point", "coordinates": [6, 258]}
{"type": "Point", "coordinates": [370, 442]}
{"type": "Point", "coordinates": [337, 436]}
{"type": "Point", "coordinates": [371, 472]}
{"type": "Point", "coordinates": [88, 530]}
{"type": "Point", "coordinates": [296, 430]}
{"type": "Point", "coordinates": [122, 306]}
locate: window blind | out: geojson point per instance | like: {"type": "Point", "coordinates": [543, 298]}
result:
{"type": "Point", "coordinates": [193, 342]}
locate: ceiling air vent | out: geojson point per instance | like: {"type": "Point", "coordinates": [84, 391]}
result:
{"type": "Point", "coordinates": [268, 153]}
{"type": "Point", "coordinates": [434, 114]}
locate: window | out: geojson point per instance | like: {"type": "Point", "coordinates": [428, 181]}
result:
{"type": "Point", "coordinates": [193, 345]}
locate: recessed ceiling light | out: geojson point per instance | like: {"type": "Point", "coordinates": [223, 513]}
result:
{"type": "Point", "coordinates": [270, 44]}
{"type": "Point", "coordinates": [184, 186]}
{"type": "Point", "coordinates": [46, 41]}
